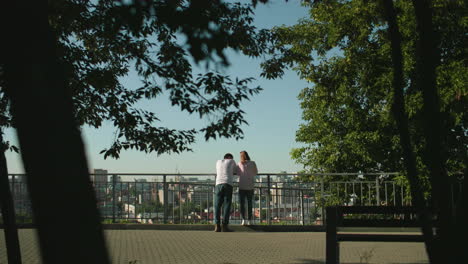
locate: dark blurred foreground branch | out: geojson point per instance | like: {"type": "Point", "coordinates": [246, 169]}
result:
{"type": "Point", "coordinates": [63, 201]}
{"type": "Point", "coordinates": [450, 231]}
{"type": "Point", "coordinates": [399, 113]}
{"type": "Point", "coordinates": [8, 211]}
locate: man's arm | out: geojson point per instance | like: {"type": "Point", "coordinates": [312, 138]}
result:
{"type": "Point", "coordinates": [218, 167]}
{"type": "Point", "coordinates": [234, 168]}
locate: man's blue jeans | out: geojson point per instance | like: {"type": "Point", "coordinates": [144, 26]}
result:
{"type": "Point", "coordinates": [223, 198]}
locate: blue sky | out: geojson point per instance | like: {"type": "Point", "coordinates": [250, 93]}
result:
{"type": "Point", "coordinates": [274, 116]}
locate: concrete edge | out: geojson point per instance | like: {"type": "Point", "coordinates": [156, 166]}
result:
{"type": "Point", "coordinates": [193, 227]}
{"type": "Point", "coordinates": [238, 228]}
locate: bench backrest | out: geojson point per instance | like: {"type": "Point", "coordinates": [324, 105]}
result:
{"type": "Point", "coordinates": [350, 216]}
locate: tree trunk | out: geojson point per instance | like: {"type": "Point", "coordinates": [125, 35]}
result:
{"type": "Point", "coordinates": [462, 215]}
{"type": "Point", "coordinates": [399, 112]}
{"type": "Point", "coordinates": [62, 197]}
{"type": "Point", "coordinates": [426, 63]}
{"type": "Point", "coordinates": [8, 212]}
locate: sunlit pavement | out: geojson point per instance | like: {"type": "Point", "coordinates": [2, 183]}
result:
{"type": "Point", "coordinates": [169, 246]}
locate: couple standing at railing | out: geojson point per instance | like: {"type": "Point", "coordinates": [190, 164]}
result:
{"type": "Point", "coordinates": [225, 170]}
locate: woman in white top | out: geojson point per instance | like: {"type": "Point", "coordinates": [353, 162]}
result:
{"type": "Point", "coordinates": [246, 170]}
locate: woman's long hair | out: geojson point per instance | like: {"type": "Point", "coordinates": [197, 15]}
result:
{"type": "Point", "coordinates": [247, 157]}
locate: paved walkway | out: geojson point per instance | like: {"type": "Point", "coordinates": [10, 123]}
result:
{"type": "Point", "coordinates": [194, 247]}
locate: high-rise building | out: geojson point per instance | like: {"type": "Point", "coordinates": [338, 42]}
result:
{"type": "Point", "coordinates": [170, 196]}
{"type": "Point", "coordinates": [100, 176]}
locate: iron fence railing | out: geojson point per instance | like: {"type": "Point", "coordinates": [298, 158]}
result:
{"type": "Point", "coordinates": [188, 198]}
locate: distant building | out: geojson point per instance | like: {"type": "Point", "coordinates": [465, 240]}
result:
{"type": "Point", "coordinates": [179, 178]}
{"type": "Point", "coordinates": [281, 194]}
{"type": "Point", "coordinates": [100, 186]}
{"type": "Point", "coordinates": [100, 176]}
{"type": "Point", "coordinates": [200, 194]}
{"type": "Point", "coordinates": [19, 191]}
{"type": "Point", "coordinates": [128, 210]}
{"type": "Point", "coordinates": [170, 196]}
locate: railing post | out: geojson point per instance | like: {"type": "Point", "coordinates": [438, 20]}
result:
{"type": "Point", "coordinates": [213, 200]}
{"type": "Point", "coordinates": [268, 200]}
{"type": "Point", "coordinates": [180, 205]}
{"type": "Point", "coordinates": [165, 198]}
{"type": "Point", "coordinates": [377, 190]}
{"type": "Point", "coordinates": [332, 247]}
{"type": "Point", "coordinates": [173, 204]}
{"type": "Point", "coordinates": [402, 195]}
{"type": "Point", "coordinates": [207, 206]}
{"type": "Point", "coordinates": [260, 189]}
{"type": "Point", "coordinates": [13, 187]}
{"type": "Point", "coordinates": [322, 201]}
{"type": "Point", "coordinates": [114, 204]}
{"type": "Point", "coordinates": [302, 206]}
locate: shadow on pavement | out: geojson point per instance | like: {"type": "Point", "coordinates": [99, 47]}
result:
{"type": "Point", "coordinates": [310, 261]}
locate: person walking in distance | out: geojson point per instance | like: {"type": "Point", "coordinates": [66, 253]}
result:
{"type": "Point", "coordinates": [225, 170]}
{"type": "Point", "coordinates": [246, 170]}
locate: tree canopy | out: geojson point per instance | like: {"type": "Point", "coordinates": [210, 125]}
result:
{"type": "Point", "coordinates": [99, 42]}
{"type": "Point", "coordinates": [343, 50]}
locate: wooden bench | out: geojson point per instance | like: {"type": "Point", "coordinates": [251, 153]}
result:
{"type": "Point", "coordinates": [335, 218]}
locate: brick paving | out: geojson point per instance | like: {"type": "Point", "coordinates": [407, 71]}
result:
{"type": "Point", "coordinates": [193, 247]}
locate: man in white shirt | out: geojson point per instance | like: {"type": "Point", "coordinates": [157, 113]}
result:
{"type": "Point", "coordinates": [225, 170]}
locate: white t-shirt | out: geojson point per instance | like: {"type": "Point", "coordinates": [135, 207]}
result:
{"type": "Point", "coordinates": [225, 170]}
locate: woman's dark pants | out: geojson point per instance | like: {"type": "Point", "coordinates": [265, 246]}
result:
{"type": "Point", "coordinates": [243, 194]}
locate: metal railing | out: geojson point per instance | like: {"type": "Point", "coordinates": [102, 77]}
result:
{"type": "Point", "coordinates": [188, 198]}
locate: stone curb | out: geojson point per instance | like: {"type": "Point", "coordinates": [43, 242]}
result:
{"type": "Point", "coordinates": [236, 228]}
